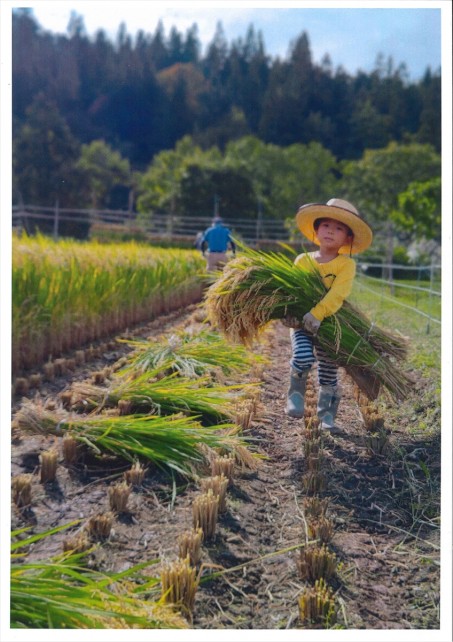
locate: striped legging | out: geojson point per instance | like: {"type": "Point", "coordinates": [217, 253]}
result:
{"type": "Point", "coordinates": [304, 357]}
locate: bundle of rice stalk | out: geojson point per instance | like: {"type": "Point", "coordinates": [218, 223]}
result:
{"type": "Point", "coordinates": [171, 442]}
{"type": "Point", "coordinates": [258, 287]}
{"type": "Point", "coordinates": [167, 395]}
{"type": "Point", "coordinates": [63, 593]}
{"type": "Point", "coordinates": [190, 355]}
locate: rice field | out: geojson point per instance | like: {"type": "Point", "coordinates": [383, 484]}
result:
{"type": "Point", "coordinates": [184, 449]}
{"type": "Point", "coordinates": [68, 294]}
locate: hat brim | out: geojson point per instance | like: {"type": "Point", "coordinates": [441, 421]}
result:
{"type": "Point", "coordinates": [307, 215]}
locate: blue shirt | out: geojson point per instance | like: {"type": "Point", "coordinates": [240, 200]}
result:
{"type": "Point", "coordinates": [217, 237]}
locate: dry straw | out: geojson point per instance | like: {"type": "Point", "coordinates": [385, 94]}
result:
{"type": "Point", "coordinates": [70, 447]}
{"type": "Point", "coordinates": [314, 507]}
{"type": "Point", "coordinates": [21, 485]}
{"type": "Point", "coordinates": [118, 496]}
{"type": "Point", "coordinates": [48, 468]}
{"type": "Point", "coordinates": [372, 418]}
{"type": "Point", "coordinates": [377, 443]}
{"type": "Point", "coordinates": [179, 584]}
{"type": "Point", "coordinates": [314, 482]}
{"type": "Point", "coordinates": [76, 543]}
{"type": "Point", "coordinates": [135, 475]}
{"type": "Point", "coordinates": [320, 528]}
{"type": "Point", "coordinates": [316, 562]}
{"type": "Point", "coordinates": [218, 484]}
{"type": "Point", "coordinates": [189, 545]}
{"type": "Point", "coordinates": [223, 465]}
{"type": "Point", "coordinates": [317, 605]}
{"type": "Point", "coordinates": [205, 508]}
{"type": "Point", "coordinates": [100, 525]}
{"type": "Point", "coordinates": [313, 429]}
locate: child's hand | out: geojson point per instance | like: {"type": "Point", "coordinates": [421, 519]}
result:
{"type": "Point", "coordinates": [310, 323]}
{"type": "Point", "coordinates": [292, 322]}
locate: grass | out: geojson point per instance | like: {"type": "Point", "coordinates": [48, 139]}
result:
{"type": "Point", "coordinates": [424, 356]}
{"type": "Point", "coordinates": [422, 301]}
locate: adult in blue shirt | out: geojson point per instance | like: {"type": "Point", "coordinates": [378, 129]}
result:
{"type": "Point", "coordinates": [216, 241]}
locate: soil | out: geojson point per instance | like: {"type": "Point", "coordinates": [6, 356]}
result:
{"type": "Point", "coordinates": [384, 509]}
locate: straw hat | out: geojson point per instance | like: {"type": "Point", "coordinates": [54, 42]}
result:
{"type": "Point", "coordinates": [339, 210]}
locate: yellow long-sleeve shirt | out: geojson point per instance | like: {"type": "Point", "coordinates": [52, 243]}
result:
{"type": "Point", "coordinates": [338, 277]}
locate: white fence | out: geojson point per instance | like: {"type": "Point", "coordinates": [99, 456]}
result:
{"type": "Point", "coordinates": [167, 226]}
{"type": "Point", "coordinates": [431, 293]}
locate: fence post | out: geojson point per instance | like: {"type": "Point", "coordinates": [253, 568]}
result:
{"type": "Point", "coordinates": [430, 299]}
{"type": "Point", "coordinates": [56, 220]}
{"type": "Point", "coordinates": [259, 223]}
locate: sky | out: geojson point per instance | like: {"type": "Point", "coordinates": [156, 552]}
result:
{"type": "Point", "coordinates": [353, 33]}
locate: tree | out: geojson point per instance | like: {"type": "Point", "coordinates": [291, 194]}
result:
{"type": "Point", "coordinates": [202, 185]}
{"type": "Point", "coordinates": [44, 157]}
{"type": "Point", "coordinates": [159, 186]}
{"type": "Point", "coordinates": [103, 168]}
{"type": "Point", "coordinates": [284, 177]}
{"type": "Point", "coordinates": [375, 182]}
{"type": "Point", "coordinates": [419, 210]}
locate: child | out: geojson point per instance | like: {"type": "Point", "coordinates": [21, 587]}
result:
{"type": "Point", "coordinates": [340, 231]}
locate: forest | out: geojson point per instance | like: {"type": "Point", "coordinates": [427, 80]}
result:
{"type": "Point", "coordinates": [147, 122]}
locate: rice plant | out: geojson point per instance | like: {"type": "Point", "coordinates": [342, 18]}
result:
{"type": "Point", "coordinates": [48, 465]}
{"type": "Point", "coordinates": [205, 509]}
{"type": "Point", "coordinates": [320, 528]}
{"type": "Point", "coordinates": [314, 481]}
{"type": "Point", "coordinates": [99, 526]}
{"type": "Point", "coordinates": [189, 545]}
{"type": "Point", "coordinates": [317, 605]}
{"type": "Point", "coordinates": [223, 465]}
{"type": "Point", "coordinates": [163, 396]}
{"type": "Point", "coordinates": [316, 562]}
{"type": "Point", "coordinates": [171, 443]}
{"type": "Point", "coordinates": [68, 293]}
{"type": "Point", "coordinates": [63, 593]}
{"type": "Point", "coordinates": [377, 443]}
{"type": "Point", "coordinates": [190, 355]}
{"type": "Point", "coordinates": [119, 494]}
{"type": "Point", "coordinates": [218, 485]}
{"type": "Point", "coordinates": [21, 485]}
{"type": "Point", "coordinates": [135, 475]}
{"type": "Point", "coordinates": [71, 449]}
{"type": "Point", "coordinates": [314, 507]}
{"type": "Point", "coordinates": [256, 288]}
{"type": "Point", "coordinates": [179, 583]}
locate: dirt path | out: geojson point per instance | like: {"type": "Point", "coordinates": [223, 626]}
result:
{"type": "Point", "coordinates": [384, 538]}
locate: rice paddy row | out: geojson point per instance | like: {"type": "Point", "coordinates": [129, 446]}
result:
{"type": "Point", "coordinates": [186, 420]}
{"type": "Point", "coordinates": [68, 294]}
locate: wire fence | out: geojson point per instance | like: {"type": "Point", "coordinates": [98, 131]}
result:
{"type": "Point", "coordinates": [55, 220]}
{"type": "Point", "coordinates": [425, 297]}
{"type": "Point", "coordinates": [257, 233]}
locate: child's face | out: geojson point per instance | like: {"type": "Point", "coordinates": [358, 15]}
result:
{"type": "Point", "coordinates": [332, 234]}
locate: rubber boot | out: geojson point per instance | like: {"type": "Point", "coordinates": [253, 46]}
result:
{"type": "Point", "coordinates": [328, 402]}
{"type": "Point", "coordinates": [296, 393]}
